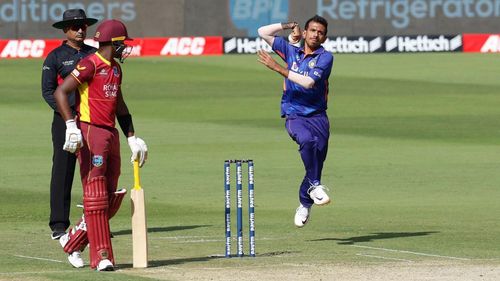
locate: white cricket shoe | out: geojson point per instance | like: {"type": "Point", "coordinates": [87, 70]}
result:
{"type": "Point", "coordinates": [75, 258]}
{"type": "Point", "coordinates": [318, 195]}
{"type": "Point", "coordinates": [302, 216]}
{"type": "Point", "coordinates": [105, 265]}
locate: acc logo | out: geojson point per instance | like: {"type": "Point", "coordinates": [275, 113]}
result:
{"type": "Point", "coordinates": [115, 71]}
{"type": "Point", "coordinates": [97, 160]}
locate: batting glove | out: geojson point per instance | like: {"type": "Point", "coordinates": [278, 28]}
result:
{"type": "Point", "coordinates": [139, 150]}
{"type": "Point", "coordinates": [73, 140]}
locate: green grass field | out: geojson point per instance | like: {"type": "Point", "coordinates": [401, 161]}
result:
{"type": "Point", "coordinates": [413, 167]}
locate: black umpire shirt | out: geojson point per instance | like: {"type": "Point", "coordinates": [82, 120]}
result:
{"type": "Point", "coordinates": [59, 64]}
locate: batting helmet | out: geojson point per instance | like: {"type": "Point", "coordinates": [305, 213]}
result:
{"type": "Point", "coordinates": [110, 31]}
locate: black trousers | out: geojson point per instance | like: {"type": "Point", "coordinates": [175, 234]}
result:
{"type": "Point", "coordinates": [63, 170]}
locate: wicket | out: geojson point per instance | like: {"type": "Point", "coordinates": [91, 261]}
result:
{"type": "Point", "coordinates": [239, 206]}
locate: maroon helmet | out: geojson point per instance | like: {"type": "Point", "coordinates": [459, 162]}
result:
{"type": "Point", "coordinates": [110, 31]}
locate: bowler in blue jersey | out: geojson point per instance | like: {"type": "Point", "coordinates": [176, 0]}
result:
{"type": "Point", "coordinates": [304, 101]}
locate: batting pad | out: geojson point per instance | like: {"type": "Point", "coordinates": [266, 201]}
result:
{"type": "Point", "coordinates": [116, 201]}
{"type": "Point", "coordinates": [96, 206]}
{"type": "Point", "coordinates": [77, 237]}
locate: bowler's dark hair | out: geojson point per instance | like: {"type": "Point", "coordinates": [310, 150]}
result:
{"type": "Point", "coordinates": [320, 20]}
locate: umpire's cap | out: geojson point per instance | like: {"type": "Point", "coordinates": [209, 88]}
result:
{"type": "Point", "coordinates": [74, 17]}
{"type": "Point", "coordinates": [111, 30]}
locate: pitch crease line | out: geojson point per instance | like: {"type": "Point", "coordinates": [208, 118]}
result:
{"type": "Point", "coordinates": [35, 258]}
{"type": "Point", "coordinates": [410, 252]}
{"type": "Point", "coordinates": [380, 257]}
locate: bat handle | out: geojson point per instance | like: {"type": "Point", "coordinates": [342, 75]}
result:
{"type": "Point", "coordinates": [137, 177]}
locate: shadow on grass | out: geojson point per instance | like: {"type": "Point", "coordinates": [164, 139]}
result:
{"type": "Point", "coordinates": [374, 236]}
{"type": "Point", "coordinates": [159, 263]}
{"type": "Point", "coordinates": [159, 229]}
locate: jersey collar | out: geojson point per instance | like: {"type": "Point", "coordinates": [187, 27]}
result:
{"type": "Point", "coordinates": [318, 51]}
{"type": "Point", "coordinates": [103, 59]}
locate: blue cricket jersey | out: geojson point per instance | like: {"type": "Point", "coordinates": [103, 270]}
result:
{"type": "Point", "coordinates": [296, 99]}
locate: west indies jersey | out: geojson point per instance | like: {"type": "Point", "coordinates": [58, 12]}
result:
{"type": "Point", "coordinates": [100, 82]}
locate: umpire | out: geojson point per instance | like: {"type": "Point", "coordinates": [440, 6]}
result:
{"type": "Point", "coordinates": [58, 64]}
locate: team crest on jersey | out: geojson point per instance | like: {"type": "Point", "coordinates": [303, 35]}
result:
{"type": "Point", "coordinates": [97, 160]}
{"type": "Point", "coordinates": [312, 64]}
{"type": "Point", "coordinates": [295, 67]}
{"type": "Point", "coordinates": [115, 71]}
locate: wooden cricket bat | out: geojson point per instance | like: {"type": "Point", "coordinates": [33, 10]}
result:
{"type": "Point", "coordinates": [139, 226]}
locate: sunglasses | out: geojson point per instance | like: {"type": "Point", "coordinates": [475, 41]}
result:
{"type": "Point", "coordinates": [78, 27]}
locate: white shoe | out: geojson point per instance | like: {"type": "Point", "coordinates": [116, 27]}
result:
{"type": "Point", "coordinates": [318, 195]}
{"type": "Point", "coordinates": [105, 265]}
{"type": "Point", "coordinates": [302, 216]}
{"type": "Point", "coordinates": [75, 258]}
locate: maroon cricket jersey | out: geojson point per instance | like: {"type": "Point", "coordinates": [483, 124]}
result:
{"type": "Point", "coordinates": [100, 82]}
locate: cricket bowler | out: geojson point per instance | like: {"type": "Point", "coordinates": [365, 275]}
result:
{"type": "Point", "coordinates": [304, 101]}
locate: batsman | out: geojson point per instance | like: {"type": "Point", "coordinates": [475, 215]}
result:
{"type": "Point", "coordinates": [93, 137]}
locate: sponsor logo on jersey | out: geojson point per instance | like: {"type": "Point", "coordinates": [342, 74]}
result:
{"type": "Point", "coordinates": [103, 72]}
{"type": "Point", "coordinates": [79, 67]}
{"type": "Point", "coordinates": [68, 62]}
{"type": "Point", "coordinates": [110, 90]}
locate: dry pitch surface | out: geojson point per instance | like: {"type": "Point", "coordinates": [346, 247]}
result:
{"type": "Point", "coordinates": [408, 271]}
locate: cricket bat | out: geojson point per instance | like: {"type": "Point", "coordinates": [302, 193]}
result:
{"type": "Point", "coordinates": [139, 226]}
